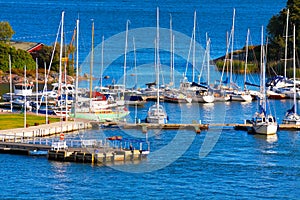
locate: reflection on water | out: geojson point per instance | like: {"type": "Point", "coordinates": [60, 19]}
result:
{"type": "Point", "coordinates": [268, 138]}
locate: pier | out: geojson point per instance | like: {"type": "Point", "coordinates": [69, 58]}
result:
{"type": "Point", "coordinates": [35, 140]}
{"type": "Point", "coordinates": [146, 126]}
{"type": "Point", "coordinates": [82, 151]}
{"type": "Point", "coordinates": [44, 130]}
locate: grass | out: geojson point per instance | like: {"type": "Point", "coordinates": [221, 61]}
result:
{"type": "Point", "coordinates": [16, 120]}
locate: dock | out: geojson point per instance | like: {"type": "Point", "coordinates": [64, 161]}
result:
{"type": "Point", "coordinates": [35, 140]}
{"type": "Point", "coordinates": [146, 126]}
{"type": "Point", "coordinates": [83, 151]}
{"type": "Point", "coordinates": [197, 127]}
{"type": "Point", "coordinates": [44, 130]}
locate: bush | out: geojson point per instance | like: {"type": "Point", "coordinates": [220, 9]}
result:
{"type": "Point", "coordinates": [19, 59]}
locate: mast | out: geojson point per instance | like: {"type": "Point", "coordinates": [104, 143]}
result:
{"type": "Point", "coordinates": [246, 59]}
{"type": "Point", "coordinates": [286, 40]}
{"type": "Point", "coordinates": [263, 74]}
{"type": "Point", "coordinates": [157, 57]}
{"type": "Point", "coordinates": [194, 47]}
{"type": "Point", "coordinates": [10, 82]}
{"type": "Point", "coordinates": [77, 65]}
{"type": "Point", "coordinates": [36, 85]}
{"type": "Point", "coordinates": [60, 58]}
{"type": "Point", "coordinates": [91, 65]}
{"type": "Point", "coordinates": [135, 69]}
{"type": "Point", "coordinates": [102, 62]}
{"type": "Point", "coordinates": [208, 62]}
{"type": "Point", "coordinates": [125, 53]}
{"type": "Point", "coordinates": [294, 66]}
{"type": "Point", "coordinates": [171, 52]}
{"type": "Point", "coordinates": [231, 56]}
{"type": "Point", "coordinates": [24, 105]}
{"type": "Point", "coordinates": [61, 50]}
{"type": "Point", "coordinates": [46, 96]}
{"type": "Point", "coordinates": [173, 60]}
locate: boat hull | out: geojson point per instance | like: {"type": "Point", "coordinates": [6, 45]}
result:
{"type": "Point", "coordinates": [156, 120]}
{"type": "Point", "coordinates": [241, 97]}
{"type": "Point", "coordinates": [102, 117]}
{"type": "Point", "coordinates": [265, 128]}
{"type": "Point", "coordinates": [204, 99]}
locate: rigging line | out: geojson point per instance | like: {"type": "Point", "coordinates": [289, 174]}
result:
{"type": "Point", "coordinates": [189, 54]}
{"type": "Point", "coordinates": [40, 36]}
{"type": "Point", "coordinates": [226, 57]}
{"type": "Point", "coordinates": [52, 55]}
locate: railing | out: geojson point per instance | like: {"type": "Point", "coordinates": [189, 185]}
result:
{"type": "Point", "coordinates": [78, 143]}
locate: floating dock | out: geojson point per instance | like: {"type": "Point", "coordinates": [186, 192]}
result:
{"type": "Point", "coordinates": [104, 158]}
{"type": "Point", "coordinates": [146, 126]}
{"type": "Point", "coordinates": [89, 151]}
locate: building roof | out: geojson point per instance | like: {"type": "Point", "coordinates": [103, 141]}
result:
{"type": "Point", "coordinates": [26, 46]}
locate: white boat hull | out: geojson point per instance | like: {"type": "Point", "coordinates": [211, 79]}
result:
{"type": "Point", "coordinates": [204, 98]}
{"type": "Point", "coordinates": [265, 128]}
{"type": "Point", "coordinates": [157, 115]}
{"type": "Point", "coordinates": [241, 97]}
{"type": "Point", "coordinates": [157, 120]}
{"type": "Point", "coordinates": [292, 118]}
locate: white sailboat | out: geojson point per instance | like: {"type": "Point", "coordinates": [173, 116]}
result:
{"type": "Point", "coordinates": [291, 116]}
{"type": "Point", "coordinates": [245, 95]}
{"type": "Point", "coordinates": [236, 95]}
{"type": "Point", "coordinates": [156, 113]}
{"type": "Point", "coordinates": [263, 123]}
{"type": "Point", "coordinates": [204, 95]}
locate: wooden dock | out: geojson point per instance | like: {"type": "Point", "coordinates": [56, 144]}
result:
{"type": "Point", "coordinates": [94, 152]}
{"type": "Point", "coordinates": [146, 126]}
{"type": "Point", "coordinates": [289, 127]}
{"type": "Point", "coordinates": [193, 126]}
{"type": "Point", "coordinates": [104, 158]}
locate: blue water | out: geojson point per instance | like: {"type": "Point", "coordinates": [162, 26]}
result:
{"type": "Point", "coordinates": [217, 164]}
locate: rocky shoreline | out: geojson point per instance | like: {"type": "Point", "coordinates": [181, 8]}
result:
{"type": "Point", "coordinates": [52, 78]}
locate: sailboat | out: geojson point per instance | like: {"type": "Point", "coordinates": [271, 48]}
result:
{"type": "Point", "coordinates": [291, 116]}
{"type": "Point", "coordinates": [245, 95]}
{"type": "Point", "coordinates": [263, 123]}
{"type": "Point", "coordinates": [156, 113]}
{"type": "Point", "coordinates": [204, 94]}
{"type": "Point", "coordinates": [97, 106]}
{"type": "Point", "coordinates": [236, 94]}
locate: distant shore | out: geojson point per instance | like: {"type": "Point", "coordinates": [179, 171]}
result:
{"type": "Point", "coordinates": [52, 78]}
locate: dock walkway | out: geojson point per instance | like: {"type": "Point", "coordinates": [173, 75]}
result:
{"type": "Point", "coordinates": [43, 130]}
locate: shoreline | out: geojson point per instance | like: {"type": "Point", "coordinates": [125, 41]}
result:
{"type": "Point", "coordinates": [52, 78]}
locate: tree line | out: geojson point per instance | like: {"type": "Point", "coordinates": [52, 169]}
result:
{"type": "Point", "coordinates": [21, 58]}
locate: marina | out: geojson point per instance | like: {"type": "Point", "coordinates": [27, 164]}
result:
{"type": "Point", "coordinates": [105, 136]}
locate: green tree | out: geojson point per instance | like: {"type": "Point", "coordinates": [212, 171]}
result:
{"type": "Point", "coordinates": [45, 53]}
{"type": "Point", "coordinates": [19, 58]}
{"type": "Point", "coordinates": [276, 32]}
{"type": "Point", "coordinates": [44, 56]}
{"type": "Point", "coordinates": [6, 31]}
